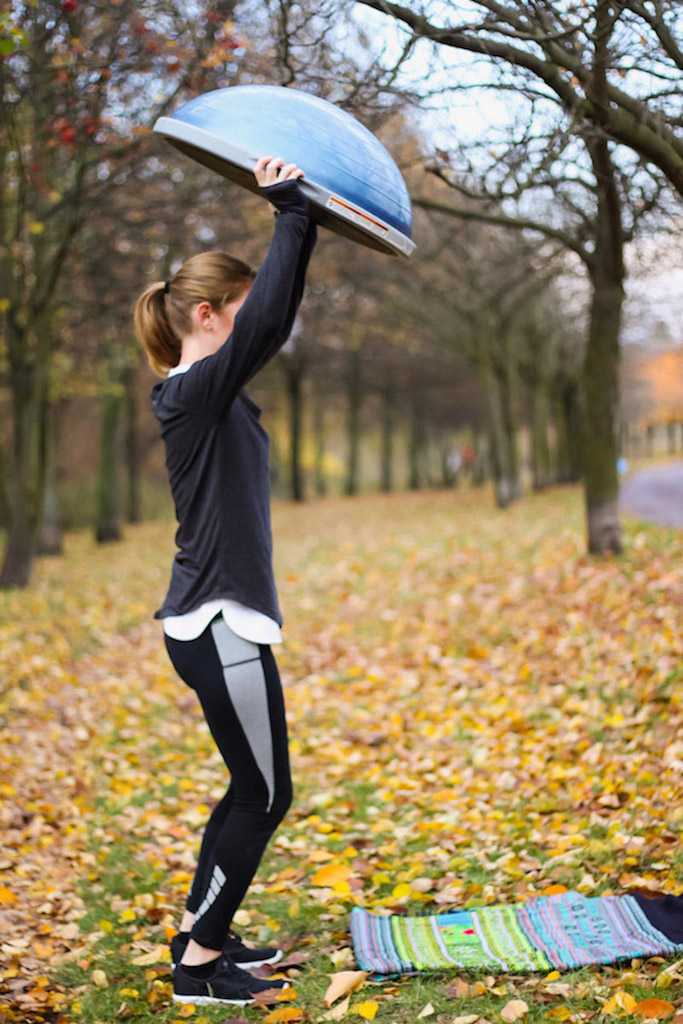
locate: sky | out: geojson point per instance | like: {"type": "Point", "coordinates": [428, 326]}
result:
{"type": "Point", "coordinates": [655, 286]}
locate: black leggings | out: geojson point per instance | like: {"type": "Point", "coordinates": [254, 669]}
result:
{"type": "Point", "coordinates": [240, 692]}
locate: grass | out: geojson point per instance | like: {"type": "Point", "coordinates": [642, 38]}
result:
{"type": "Point", "coordinates": [447, 666]}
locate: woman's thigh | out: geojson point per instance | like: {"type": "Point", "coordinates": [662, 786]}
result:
{"type": "Point", "coordinates": [239, 689]}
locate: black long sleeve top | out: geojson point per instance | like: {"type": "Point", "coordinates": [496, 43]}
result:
{"type": "Point", "coordinates": [217, 452]}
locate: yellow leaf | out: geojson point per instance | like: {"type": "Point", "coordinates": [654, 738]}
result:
{"type": "Point", "coordinates": [160, 954]}
{"type": "Point", "coordinates": [285, 995]}
{"type": "Point", "coordinates": [400, 891]}
{"type": "Point", "coordinates": [331, 873]}
{"type": "Point", "coordinates": [6, 896]}
{"type": "Point", "coordinates": [284, 1013]}
{"type": "Point", "coordinates": [621, 1002]}
{"type": "Point", "coordinates": [127, 915]}
{"type": "Point", "coordinates": [657, 1009]}
{"type": "Point", "coordinates": [294, 908]}
{"type": "Point", "coordinates": [559, 1012]}
{"type": "Point", "coordinates": [36, 227]}
{"type": "Point", "coordinates": [186, 1010]}
{"type": "Point", "coordinates": [4, 306]}
{"type": "Point", "coordinates": [367, 1010]}
{"type": "Point", "coordinates": [477, 652]}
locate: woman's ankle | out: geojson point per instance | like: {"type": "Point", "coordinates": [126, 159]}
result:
{"type": "Point", "coordinates": [195, 955]}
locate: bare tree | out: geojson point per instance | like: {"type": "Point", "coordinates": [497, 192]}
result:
{"type": "Point", "coordinates": [556, 170]}
{"type": "Point", "coordinates": [80, 88]}
{"type": "Point", "coordinates": [548, 49]}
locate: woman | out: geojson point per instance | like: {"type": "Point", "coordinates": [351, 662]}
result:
{"type": "Point", "coordinates": [221, 612]}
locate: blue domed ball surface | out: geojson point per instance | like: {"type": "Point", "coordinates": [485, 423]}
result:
{"type": "Point", "coordinates": [350, 178]}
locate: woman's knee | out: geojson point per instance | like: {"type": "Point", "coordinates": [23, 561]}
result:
{"type": "Point", "coordinates": [282, 800]}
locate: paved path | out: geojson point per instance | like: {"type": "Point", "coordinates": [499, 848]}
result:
{"type": "Point", "coordinates": [655, 494]}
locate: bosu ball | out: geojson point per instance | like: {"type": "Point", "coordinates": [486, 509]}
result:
{"type": "Point", "coordinates": [351, 179]}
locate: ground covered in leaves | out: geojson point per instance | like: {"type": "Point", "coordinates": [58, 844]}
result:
{"type": "Point", "coordinates": [478, 713]}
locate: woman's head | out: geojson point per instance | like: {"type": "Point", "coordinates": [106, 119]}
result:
{"type": "Point", "coordinates": [163, 320]}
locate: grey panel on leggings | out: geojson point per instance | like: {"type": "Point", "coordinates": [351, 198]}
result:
{"type": "Point", "coordinates": [230, 646]}
{"type": "Point", "coordinates": [246, 685]}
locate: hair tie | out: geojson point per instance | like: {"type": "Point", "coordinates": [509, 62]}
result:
{"type": "Point", "coordinates": [167, 287]}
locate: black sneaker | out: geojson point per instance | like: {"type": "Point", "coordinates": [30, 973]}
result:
{"type": "Point", "coordinates": [227, 984]}
{"type": "Point", "coordinates": [244, 956]}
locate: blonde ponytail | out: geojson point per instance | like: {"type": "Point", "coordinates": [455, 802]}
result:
{"type": "Point", "coordinates": [162, 319]}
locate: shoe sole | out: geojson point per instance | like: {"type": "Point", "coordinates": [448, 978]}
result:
{"type": "Point", "coordinates": [206, 1000]}
{"type": "Point", "coordinates": [255, 963]}
{"type": "Point", "coordinates": [215, 1000]}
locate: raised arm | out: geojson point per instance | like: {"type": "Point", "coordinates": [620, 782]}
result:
{"type": "Point", "coordinates": [265, 318]}
{"type": "Point", "coordinates": [287, 315]}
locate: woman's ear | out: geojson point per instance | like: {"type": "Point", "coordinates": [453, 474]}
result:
{"type": "Point", "coordinates": [202, 314]}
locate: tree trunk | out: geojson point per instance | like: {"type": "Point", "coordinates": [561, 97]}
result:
{"type": "Point", "coordinates": [132, 447]}
{"type": "Point", "coordinates": [415, 442]}
{"type": "Point", "coordinates": [4, 500]}
{"type": "Point", "coordinates": [275, 465]}
{"type": "Point", "coordinates": [560, 455]}
{"type": "Point", "coordinates": [571, 406]}
{"type": "Point", "coordinates": [353, 421]}
{"type": "Point", "coordinates": [108, 513]}
{"type": "Point", "coordinates": [388, 424]}
{"type": "Point", "coordinates": [599, 435]}
{"type": "Point", "coordinates": [295, 378]}
{"type": "Point", "coordinates": [540, 448]}
{"type": "Point", "coordinates": [481, 464]}
{"type": "Point", "coordinates": [600, 377]}
{"type": "Point", "coordinates": [671, 435]}
{"type": "Point", "coordinates": [50, 538]}
{"type": "Point", "coordinates": [434, 472]}
{"type": "Point", "coordinates": [26, 468]}
{"type": "Point", "coordinates": [510, 421]}
{"type": "Point", "coordinates": [449, 478]}
{"type": "Point", "coordinates": [502, 446]}
{"type": "Point", "coordinates": [319, 406]}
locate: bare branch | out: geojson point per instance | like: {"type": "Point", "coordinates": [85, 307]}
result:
{"type": "Point", "coordinates": [516, 223]}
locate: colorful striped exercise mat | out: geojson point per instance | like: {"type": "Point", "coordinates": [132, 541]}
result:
{"type": "Point", "coordinates": [543, 933]}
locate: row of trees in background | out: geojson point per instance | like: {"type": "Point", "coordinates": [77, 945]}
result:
{"type": "Point", "coordinates": [591, 151]}
{"type": "Point", "coordinates": [483, 333]}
